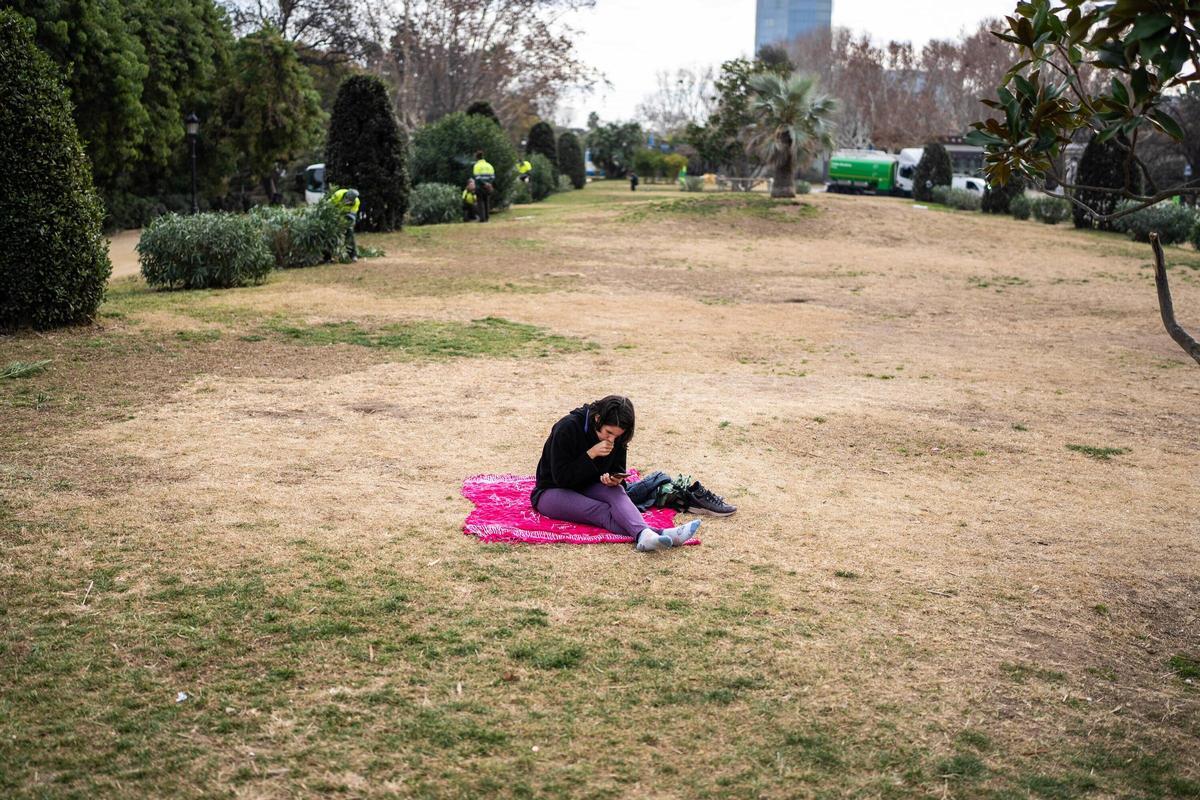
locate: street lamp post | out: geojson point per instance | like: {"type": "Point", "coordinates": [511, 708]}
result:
{"type": "Point", "coordinates": [192, 125]}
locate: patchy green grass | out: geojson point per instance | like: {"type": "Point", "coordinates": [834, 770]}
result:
{"type": "Point", "coordinates": [731, 205]}
{"type": "Point", "coordinates": [997, 282]}
{"type": "Point", "coordinates": [1021, 672]}
{"type": "Point", "coordinates": [489, 336]}
{"type": "Point", "coordinates": [1185, 666]}
{"type": "Point", "coordinates": [1098, 453]}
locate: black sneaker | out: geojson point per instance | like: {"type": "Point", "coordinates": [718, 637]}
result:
{"type": "Point", "coordinates": [702, 501]}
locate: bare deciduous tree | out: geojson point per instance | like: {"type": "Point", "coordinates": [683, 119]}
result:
{"type": "Point", "coordinates": [441, 55]}
{"type": "Point", "coordinates": [325, 31]}
{"type": "Point", "coordinates": [685, 96]}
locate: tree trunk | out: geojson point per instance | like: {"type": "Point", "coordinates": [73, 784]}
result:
{"type": "Point", "coordinates": [784, 184]}
{"type": "Point", "coordinates": [1166, 307]}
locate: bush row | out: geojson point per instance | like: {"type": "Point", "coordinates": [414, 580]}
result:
{"type": "Point", "coordinates": [1174, 224]}
{"type": "Point", "coordinates": [222, 250]}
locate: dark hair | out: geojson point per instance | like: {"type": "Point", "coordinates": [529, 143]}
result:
{"type": "Point", "coordinates": [479, 154]}
{"type": "Point", "coordinates": [614, 410]}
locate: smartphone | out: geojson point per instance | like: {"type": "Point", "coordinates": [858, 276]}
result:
{"type": "Point", "coordinates": [619, 475]}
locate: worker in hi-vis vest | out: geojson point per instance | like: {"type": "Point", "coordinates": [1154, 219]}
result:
{"type": "Point", "coordinates": [346, 201]}
{"type": "Point", "coordinates": [523, 170]}
{"type": "Point", "coordinates": [485, 179]}
{"type": "Point", "coordinates": [469, 201]}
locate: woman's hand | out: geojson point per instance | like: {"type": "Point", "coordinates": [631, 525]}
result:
{"type": "Point", "coordinates": [609, 480]}
{"type": "Point", "coordinates": [600, 449]}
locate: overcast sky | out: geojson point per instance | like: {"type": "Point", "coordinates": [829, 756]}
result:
{"type": "Point", "coordinates": [630, 40]}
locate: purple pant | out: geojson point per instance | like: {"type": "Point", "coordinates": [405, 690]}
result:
{"type": "Point", "coordinates": [605, 507]}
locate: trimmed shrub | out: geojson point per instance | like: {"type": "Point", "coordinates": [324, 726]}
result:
{"type": "Point", "coordinates": [367, 150]}
{"type": "Point", "coordinates": [435, 204]}
{"type": "Point", "coordinates": [938, 194]}
{"type": "Point", "coordinates": [1051, 210]}
{"type": "Point", "coordinates": [564, 184]}
{"type": "Point", "coordinates": [444, 152]}
{"type": "Point", "coordinates": [541, 140]}
{"type": "Point", "coordinates": [302, 237]}
{"type": "Point", "coordinates": [482, 108]}
{"type": "Point", "coordinates": [521, 194]}
{"type": "Point", "coordinates": [803, 187]}
{"type": "Point", "coordinates": [54, 263]}
{"type": "Point", "coordinates": [570, 159]}
{"type": "Point", "coordinates": [204, 251]}
{"type": "Point", "coordinates": [543, 181]}
{"type": "Point", "coordinates": [693, 183]}
{"type": "Point", "coordinates": [1172, 223]}
{"type": "Point", "coordinates": [934, 169]}
{"type": "Point", "coordinates": [997, 199]}
{"type": "Point", "coordinates": [1100, 165]}
{"type": "Point", "coordinates": [672, 163]}
{"type": "Point", "coordinates": [1020, 206]}
{"type": "Point", "coordinates": [648, 163]}
{"type": "Point", "coordinates": [963, 199]}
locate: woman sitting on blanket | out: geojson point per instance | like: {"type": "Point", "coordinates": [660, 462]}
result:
{"type": "Point", "coordinates": [581, 474]}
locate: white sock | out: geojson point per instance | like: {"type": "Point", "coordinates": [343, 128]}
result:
{"type": "Point", "coordinates": [681, 533]}
{"type": "Point", "coordinates": [650, 539]}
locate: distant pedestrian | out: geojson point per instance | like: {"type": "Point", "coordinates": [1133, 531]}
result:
{"type": "Point", "coordinates": [633, 181]}
{"type": "Point", "coordinates": [347, 201]}
{"type": "Point", "coordinates": [523, 170]}
{"type": "Point", "coordinates": [485, 178]}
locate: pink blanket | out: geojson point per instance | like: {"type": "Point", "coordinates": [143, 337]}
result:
{"type": "Point", "coordinates": [503, 514]}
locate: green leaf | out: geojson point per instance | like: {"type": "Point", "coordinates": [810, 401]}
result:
{"type": "Point", "coordinates": [1025, 87]}
{"type": "Point", "coordinates": [1119, 92]}
{"type": "Point", "coordinates": [1166, 123]}
{"type": "Point", "coordinates": [1140, 83]}
{"type": "Point", "coordinates": [1148, 25]}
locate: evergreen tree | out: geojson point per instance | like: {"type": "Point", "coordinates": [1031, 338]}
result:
{"type": "Point", "coordinates": [444, 151]}
{"type": "Point", "coordinates": [368, 150]}
{"type": "Point", "coordinates": [1102, 165]}
{"type": "Point", "coordinates": [934, 169]}
{"type": "Point", "coordinates": [570, 159]}
{"type": "Point", "coordinates": [134, 69]}
{"type": "Point", "coordinates": [541, 140]}
{"type": "Point", "coordinates": [271, 112]}
{"type": "Point", "coordinates": [54, 264]}
{"type": "Point", "coordinates": [482, 108]}
{"type": "Point", "coordinates": [996, 199]}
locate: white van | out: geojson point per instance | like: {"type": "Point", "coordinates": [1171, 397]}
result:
{"type": "Point", "coordinates": [968, 182]}
{"type": "Point", "coordinates": [314, 183]}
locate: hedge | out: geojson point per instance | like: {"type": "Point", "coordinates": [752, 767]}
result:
{"type": "Point", "coordinates": [302, 237]}
{"type": "Point", "coordinates": [435, 203]}
{"type": "Point", "coordinates": [1172, 223]}
{"type": "Point", "coordinates": [202, 251]}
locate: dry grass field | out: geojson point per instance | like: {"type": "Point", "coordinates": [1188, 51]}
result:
{"type": "Point", "coordinates": [966, 561]}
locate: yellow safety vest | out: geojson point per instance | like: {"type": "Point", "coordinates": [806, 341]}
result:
{"type": "Point", "coordinates": [336, 199]}
{"type": "Point", "coordinates": [524, 167]}
{"type": "Point", "coordinates": [468, 197]}
{"type": "Point", "coordinates": [483, 169]}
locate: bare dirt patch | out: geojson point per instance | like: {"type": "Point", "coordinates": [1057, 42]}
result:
{"type": "Point", "coordinates": [924, 590]}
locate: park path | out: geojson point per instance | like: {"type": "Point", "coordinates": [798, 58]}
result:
{"type": "Point", "coordinates": [122, 253]}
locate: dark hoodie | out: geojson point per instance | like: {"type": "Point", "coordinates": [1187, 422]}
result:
{"type": "Point", "coordinates": [565, 463]}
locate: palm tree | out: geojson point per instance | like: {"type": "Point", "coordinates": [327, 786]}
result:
{"type": "Point", "coordinates": [793, 122]}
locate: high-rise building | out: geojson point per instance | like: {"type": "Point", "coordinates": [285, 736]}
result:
{"type": "Point", "coordinates": [780, 21]}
